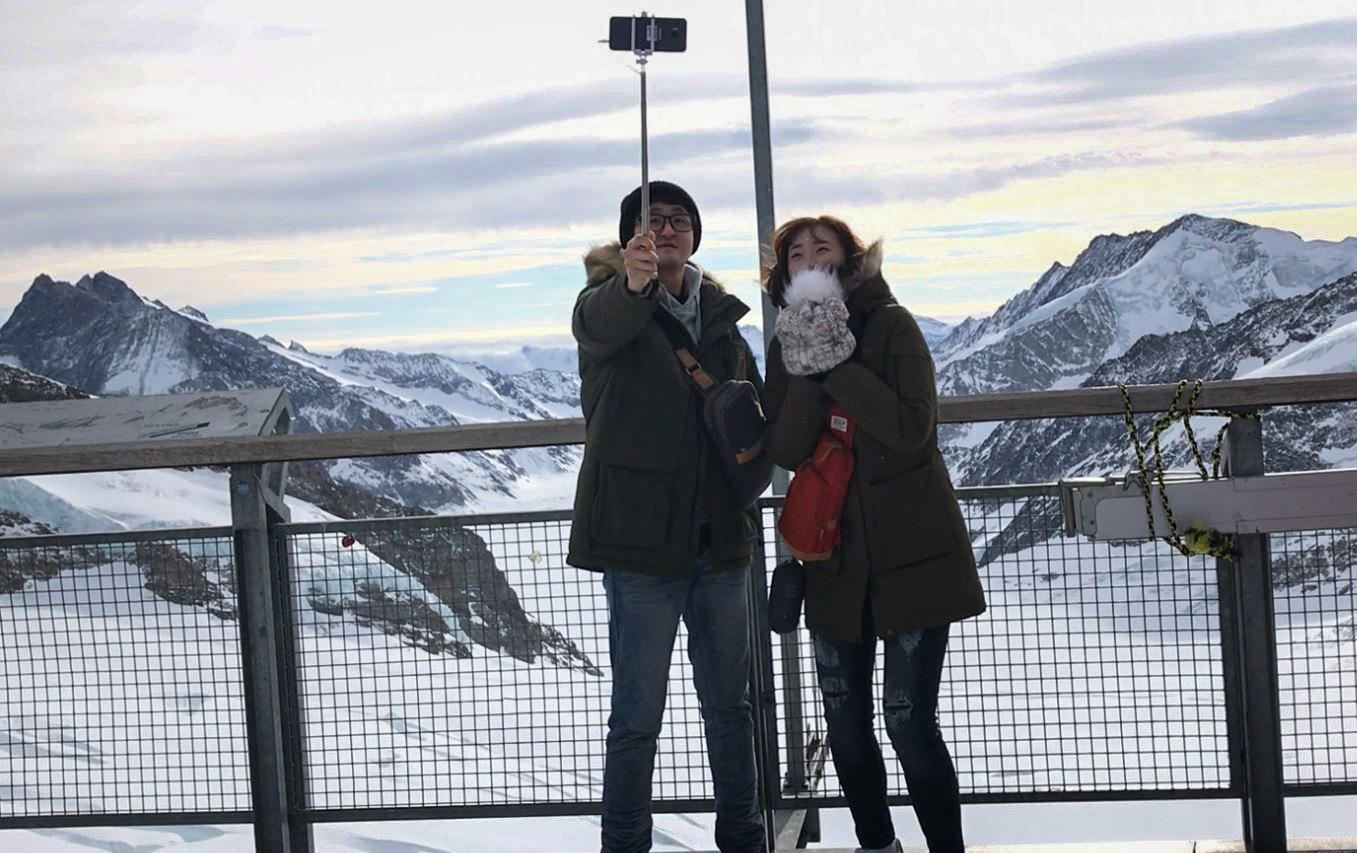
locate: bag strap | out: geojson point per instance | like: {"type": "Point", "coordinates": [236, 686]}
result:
{"type": "Point", "coordinates": [679, 341]}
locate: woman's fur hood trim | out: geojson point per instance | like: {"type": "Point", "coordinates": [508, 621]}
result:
{"type": "Point", "coordinates": [871, 261]}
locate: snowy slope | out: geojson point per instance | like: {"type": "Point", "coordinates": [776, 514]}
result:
{"type": "Point", "coordinates": [1335, 351]}
{"type": "Point", "coordinates": [1112, 672]}
{"type": "Point", "coordinates": [133, 500]}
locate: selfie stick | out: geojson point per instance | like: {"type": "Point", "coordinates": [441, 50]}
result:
{"type": "Point", "coordinates": [643, 52]}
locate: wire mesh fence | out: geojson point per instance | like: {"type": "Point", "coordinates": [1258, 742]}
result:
{"type": "Point", "coordinates": [1316, 612]}
{"type": "Point", "coordinates": [1096, 671]}
{"type": "Point", "coordinates": [459, 663]}
{"type": "Point", "coordinates": [122, 691]}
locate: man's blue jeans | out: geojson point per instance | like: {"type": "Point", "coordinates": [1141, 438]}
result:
{"type": "Point", "coordinates": [643, 617]}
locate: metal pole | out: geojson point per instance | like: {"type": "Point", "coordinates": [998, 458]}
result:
{"type": "Point", "coordinates": [1264, 803]}
{"type": "Point", "coordinates": [259, 642]}
{"type": "Point", "coordinates": [761, 130]}
{"type": "Point", "coordinates": [761, 127]}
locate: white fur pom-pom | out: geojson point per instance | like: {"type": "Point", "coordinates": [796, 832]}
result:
{"type": "Point", "coordinates": [812, 284]}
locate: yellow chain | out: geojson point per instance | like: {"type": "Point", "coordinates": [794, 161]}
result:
{"type": "Point", "coordinates": [1199, 540]}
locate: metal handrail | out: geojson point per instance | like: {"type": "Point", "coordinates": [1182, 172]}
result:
{"type": "Point", "coordinates": [1078, 402]}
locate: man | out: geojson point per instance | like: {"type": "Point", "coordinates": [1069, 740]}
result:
{"type": "Point", "coordinates": [654, 515]}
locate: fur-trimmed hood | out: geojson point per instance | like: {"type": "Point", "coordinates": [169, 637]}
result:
{"type": "Point", "coordinates": [869, 289]}
{"type": "Point", "coordinates": [603, 263]}
{"type": "Point", "coordinates": [871, 261]}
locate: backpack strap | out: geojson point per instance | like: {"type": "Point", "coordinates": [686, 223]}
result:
{"type": "Point", "coordinates": [701, 379]}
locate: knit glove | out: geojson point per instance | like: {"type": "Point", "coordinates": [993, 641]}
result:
{"type": "Point", "coordinates": [813, 328]}
{"type": "Point", "coordinates": [814, 337]}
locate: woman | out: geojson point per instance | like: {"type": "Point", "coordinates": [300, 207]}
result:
{"type": "Point", "coordinates": [904, 570]}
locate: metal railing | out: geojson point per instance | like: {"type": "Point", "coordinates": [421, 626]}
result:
{"type": "Point", "coordinates": [123, 687]}
{"type": "Point", "coordinates": [291, 674]}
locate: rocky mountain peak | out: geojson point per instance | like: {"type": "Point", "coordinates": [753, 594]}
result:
{"type": "Point", "coordinates": [102, 336]}
{"type": "Point", "coordinates": [1214, 228]}
{"type": "Point", "coordinates": [108, 288]}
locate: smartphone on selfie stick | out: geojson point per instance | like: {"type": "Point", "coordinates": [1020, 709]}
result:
{"type": "Point", "coordinates": [644, 35]}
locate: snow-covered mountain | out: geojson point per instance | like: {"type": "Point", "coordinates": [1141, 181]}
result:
{"type": "Point", "coordinates": [1200, 298]}
{"type": "Point", "coordinates": [1310, 333]}
{"type": "Point", "coordinates": [1305, 334]}
{"type": "Point", "coordinates": [99, 335]}
{"type": "Point", "coordinates": [1193, 273]}
{"type": "Point", "coordinates": [935, 331]}
{"type": "Point", "coordinates": [441, 590]}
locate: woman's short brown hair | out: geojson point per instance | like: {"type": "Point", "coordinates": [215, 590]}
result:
{"type": "Point", "coordinates": [775, 277]}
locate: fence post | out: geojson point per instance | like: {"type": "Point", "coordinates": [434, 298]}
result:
{"type": "Point", "coordinates": [761, 696]}
{"type": "Point", "coordinates": [790, 649]}
{"type": "Point", "coordinates": [252, 515]}
{"type": "Point", "coordinates": [294, 755]}
{"type": "Point", "coordinates": [1249, 632]}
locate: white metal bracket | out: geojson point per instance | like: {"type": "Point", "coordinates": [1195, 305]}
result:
{"type": "Point", "coordinates": [1113, 508]}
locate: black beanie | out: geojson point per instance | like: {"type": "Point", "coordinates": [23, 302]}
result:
{"type": "Point", "coordinates": [664, 193]}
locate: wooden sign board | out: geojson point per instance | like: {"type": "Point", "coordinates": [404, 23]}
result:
{"type": "Point", "coordinates": [136, 420]}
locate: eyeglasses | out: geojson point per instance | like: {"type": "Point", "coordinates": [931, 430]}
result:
{"type": "Point", "coordinates": [679, 221]}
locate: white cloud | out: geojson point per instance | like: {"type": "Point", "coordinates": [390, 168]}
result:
{"type": "Point", "coordinates": [298, 318]}
{"type": "Point", "coordinates": [218, 153]}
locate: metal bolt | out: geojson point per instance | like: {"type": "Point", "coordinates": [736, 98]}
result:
{"type": "Point", "coordinates": [243, 487]}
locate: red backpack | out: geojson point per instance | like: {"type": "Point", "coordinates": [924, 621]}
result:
{"type": "Point", "coordinates": [810, 514]}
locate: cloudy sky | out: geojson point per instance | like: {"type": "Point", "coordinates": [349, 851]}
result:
{"type": "Point", "coordinates": [426, 175]}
